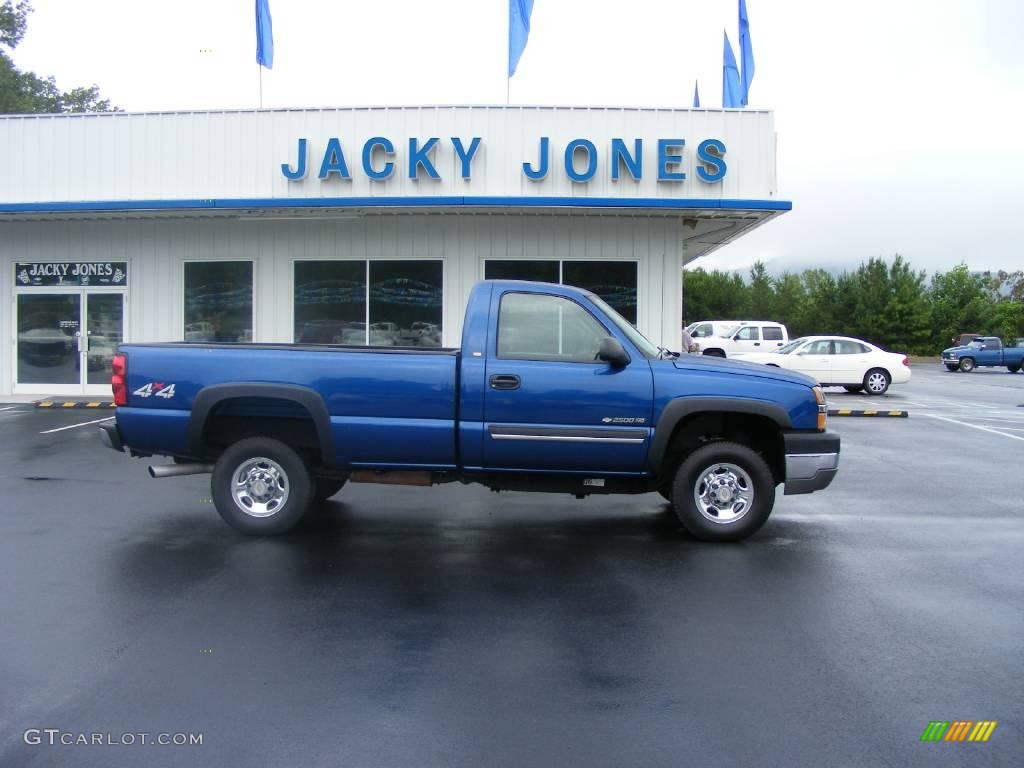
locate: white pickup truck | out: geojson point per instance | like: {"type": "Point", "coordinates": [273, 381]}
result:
{"type": "Point", "coordinates": [727, 338]}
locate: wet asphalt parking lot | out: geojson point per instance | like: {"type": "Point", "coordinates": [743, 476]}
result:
{"type": "Point", "coordinates": [456, 627]}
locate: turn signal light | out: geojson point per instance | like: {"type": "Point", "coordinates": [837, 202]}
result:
{"type": "Point", "coordinates": [819, 395]}
{"type": "Point", "coordinates": [119, 379]}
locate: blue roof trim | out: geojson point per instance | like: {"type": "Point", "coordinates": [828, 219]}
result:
{"type": "Point", "coordinates": [633, 203]}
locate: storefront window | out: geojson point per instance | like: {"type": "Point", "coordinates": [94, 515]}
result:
{"type": "Point", "coordinates": [330, 302]}
{"type": "Point", "coordinates": [380, 303]}
{"type": "Point", "coordinates": [537, 271]}
{"type": "Point", "coordinates": [406, 303]}
{"type": "Point", "coordinates": [613, 281]}
{"type": "Point", "coordinates": [218, 301]}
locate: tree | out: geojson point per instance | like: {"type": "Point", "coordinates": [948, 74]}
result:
{"type": "Point", "coordinates": [762, 293]}
{"type": "Point", "coordinates": [713, 295]}
{"type": "Point", "coordinates": [27, 92]}
{"type": "Point", "coordinates": [959, 304]}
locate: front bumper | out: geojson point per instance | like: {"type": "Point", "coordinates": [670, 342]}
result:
{"type": "Point", "coordinates": [812, 460]}
{"type": "Point", "coordinates": [111, 437]}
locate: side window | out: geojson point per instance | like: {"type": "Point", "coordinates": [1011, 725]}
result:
{"type": "Point", "coordinates": [850, 348]}
{"type": "Point", "coordinates": [748, 334]}
{"type": "Point", "coordinates": [823, 347]}
{"type": "Point", "coordinates": [772, 333]}
{"type": "Point", "coordinates": [702, 331]}
{"type": "Point", "coordinates": [538, 327]}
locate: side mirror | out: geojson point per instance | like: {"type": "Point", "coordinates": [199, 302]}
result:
{"type": "Point", "coordinates": [613, 353]}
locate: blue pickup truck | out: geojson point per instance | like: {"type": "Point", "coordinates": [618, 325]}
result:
{"type": "Point", "coordinates": [552, 390]}
{"type": "Point", "coordinates": [983, 352]}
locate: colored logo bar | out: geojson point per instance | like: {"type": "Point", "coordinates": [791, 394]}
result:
{"type": "Point", "coordinates": [958, 730]}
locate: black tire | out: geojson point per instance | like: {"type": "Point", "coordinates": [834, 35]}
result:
{"type": "Point", "coordinates": [325, 487]}
{"type": "Point", "coordinates": [666, 493]}
{"type": "Point", "coordinates": [952, 367]}
{"type": "Point", "coordinates": [876, 381]}
{"type": "Point", "coordinates": [288, 485]}
{"type": "Point", "coordinates": [855, 388]}
{"type": "Point", "coordinates": [966, 364]}
{"type": "Point", "coordinates": [1013, 368]}
{"type": "Point", "coordinates": [714, 353]}
{"type": "Point", "coordinates": [690, 479]}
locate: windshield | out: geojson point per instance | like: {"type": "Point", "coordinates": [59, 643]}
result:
{"type": "Point", "coordinates": [785, 350]}
{"type": "Point", "coordinates": [646, 348]}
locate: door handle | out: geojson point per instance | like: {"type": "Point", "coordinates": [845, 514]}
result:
{"type": "Point", "coordinates": [504, 381]}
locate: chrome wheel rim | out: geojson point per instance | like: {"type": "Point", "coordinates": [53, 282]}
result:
{"type": "Point", "coordinates": [877, 382]}
{"type": "Point", "coordinates": [967, 364]}
{"type": "Point", "coordinates": [724, 493]}
{"type": "Point", "coordinates": [260, 487]}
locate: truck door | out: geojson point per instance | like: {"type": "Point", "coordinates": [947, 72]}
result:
{"type": "Point", "coordinates": [747, 340]}
{"type": "Point", "coordinates": [549, 405]}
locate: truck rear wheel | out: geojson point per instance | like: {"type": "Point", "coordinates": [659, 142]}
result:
{"type": "Point", "coordinates": [1013, 368]}
{"type": "Point", "coordinates": [723, 492]}
{"type": "Point", "coordinates": [261, 487]}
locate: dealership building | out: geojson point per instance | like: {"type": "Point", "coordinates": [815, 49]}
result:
{"type": "Point", "coordinates": [350, 226]}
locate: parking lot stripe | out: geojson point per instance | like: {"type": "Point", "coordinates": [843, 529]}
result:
{"type": "Point", "coordinates": [72, 426]}
{"type": "Point", "coordinates": [9, 408]}
{"type": "Point", "coordinates": [973, 426]}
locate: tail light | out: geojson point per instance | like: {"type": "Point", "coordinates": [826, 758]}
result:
{"type": "Point", "coordinates": [119, 379]}
{"type": "Point", "coordinates": [906, 362]}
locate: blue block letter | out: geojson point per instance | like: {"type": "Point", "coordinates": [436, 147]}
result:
{"type": "Point", "coordinates": [666, 158]}
{"type": "Point", "coordinates": [542, 171]}
{"type": "Point", "coordinates": [389, 150]}
{"type": "Point", "coordinates": [300, 170]}
{"type": "Point", "coordinates": [466, 156]}
{"type": "Point", "coordinates": [334, 161]}
{"type": "Point", "coordinates": [570, 157]}
{"type": "Point", "coordinates": [634, 163]}
{"type": "Point", "coordinates": [418, 158]}
{"type": "Point", "coordinates": [711, 152]}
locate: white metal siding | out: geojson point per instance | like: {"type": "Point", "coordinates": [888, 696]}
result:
{"type": "Point", "coordinates": [156, 249]}
{"type": "Point", "coordinates": [199, 155]}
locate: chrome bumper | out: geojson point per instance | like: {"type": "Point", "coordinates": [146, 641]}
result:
{"type": "Point", "coordinates": [809, 472]}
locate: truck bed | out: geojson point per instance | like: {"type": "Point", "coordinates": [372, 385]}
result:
{"type": "Point", "coordinates": [386, 405]}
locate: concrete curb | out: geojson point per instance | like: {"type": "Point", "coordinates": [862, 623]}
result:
{"type": "Point", "coordinates": [868, 412]}
{"type": "Point", "coordinates": [75, 404]}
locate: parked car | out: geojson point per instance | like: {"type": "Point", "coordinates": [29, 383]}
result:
{"type": "Point", "coordinates": [748, 337]}
{"type": "Point", "coordinates": [839, 361]}
{"type": "Point", "coordinates": [552, 391]}
{"type": "Point", "coordinates": [986, 352]}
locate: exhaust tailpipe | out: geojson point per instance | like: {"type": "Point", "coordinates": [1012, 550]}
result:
{"type": "Point", "coordinates": [177, 470]}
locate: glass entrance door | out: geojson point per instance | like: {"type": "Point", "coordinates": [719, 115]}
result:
{"type": "Point", "coordinates": [66, 341]}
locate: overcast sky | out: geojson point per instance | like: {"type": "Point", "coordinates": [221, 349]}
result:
{"type": "Point", "coordinates": [899, 122]}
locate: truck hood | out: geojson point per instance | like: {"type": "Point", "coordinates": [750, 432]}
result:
{"type": "Point", "coordinates": [959, 350]}
{"type": "Point", "coordinates": [708, 364]}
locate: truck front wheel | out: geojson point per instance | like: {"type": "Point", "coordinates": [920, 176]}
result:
{"type": "Point", "coordinates": [723, 492]}
{"type": "Point", "coordinates": [261, 487]}
{"type": "Point", "coordinates": [966, 364]}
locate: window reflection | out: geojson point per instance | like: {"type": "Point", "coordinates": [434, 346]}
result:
{"type": "Point", "coordinates": [218, 301]}
{"type": "Point", "coordinates": [405, 303]}
{"type": "Point", "coordinates": [330, 302]}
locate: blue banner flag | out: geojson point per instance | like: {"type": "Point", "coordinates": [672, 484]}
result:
{"type": "Point", "coordinates": [696, 96]}
{"type": "Point", "coordinates": [264, 35]}
{"type": "Point", "coordinates": [731, 88]}
{"type": "Point", "coordinates": [746, 53]}
{"type": "Point", "coordinates": [518, 31]}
